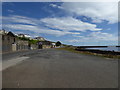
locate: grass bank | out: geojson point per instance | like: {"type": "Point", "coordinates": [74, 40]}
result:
{"type": "Point", "coordinates": [72, 49]}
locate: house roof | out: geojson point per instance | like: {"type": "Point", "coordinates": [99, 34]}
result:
{"type": "Point", "coordinates": [11, 34]}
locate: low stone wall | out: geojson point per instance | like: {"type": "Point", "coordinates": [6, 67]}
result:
{"type": "Point", "coordinates": [21, 45]}
{"type": "Point", "coordinates": [33, 46]}
{"type": "Point", "coordinates": [46, 46]}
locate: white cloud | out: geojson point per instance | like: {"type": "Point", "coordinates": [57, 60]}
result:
{"type": "Point", "coordinates": [53, 5]}
{"type": "Point", "coordinates": [11, 11]}
{"type": "Point", "coordinates": [95, 37]}
{"type": "Point", "coordinates": [56, 6]}
{"type": "Point", "coordinates": [19, 19]}
{"type": "Point", "coordinates": [69, 24]}
{"type": "Point", "coordinates": [37, 29]}
{"type": "Point", "coordinates": [59, 26]}
{"type": "Point", "coordinates": [98, 11]}
{"type": "Point", "coordinates": [103, 36]}
{"type": "Point", "coordinates": [20, 27]}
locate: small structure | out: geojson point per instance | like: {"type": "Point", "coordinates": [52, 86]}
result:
{"type": "Point", "coordinates": [58, 44]}
{"type": "Point", "coordinates": [44, 44]}
{"type": "Point", "coordinates": [53, 44]}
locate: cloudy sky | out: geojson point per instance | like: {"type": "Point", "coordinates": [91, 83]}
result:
{"type": "Point", "coordinates": [73, 23]}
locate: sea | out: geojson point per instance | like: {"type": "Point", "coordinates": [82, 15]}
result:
{"type": "Point", "coordinates": [109, 48]}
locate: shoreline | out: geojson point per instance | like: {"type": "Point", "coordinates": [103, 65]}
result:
{"type": "Point", "coordinates": [99, 51]}
{"type": "Point", "coordinates": [102, 53]}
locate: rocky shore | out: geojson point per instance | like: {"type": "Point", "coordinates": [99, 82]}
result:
{"type": "Point", "coordinates": [103, 53]}
{"type": "Point", "coordinates": [98, 51]}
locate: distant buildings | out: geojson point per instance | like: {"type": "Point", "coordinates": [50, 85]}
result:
{"type": "Point", "coordinates": [3, 32]}
{"type": "Point", "coordinates": [53, 44]}
{"type": "Point", "coordinates": [39, 38]}
{"type": "Point", "coordinates": [21, 35]}
{"type": "Point", "coordinates": [44, 44]}
{"type": "Point", "coordinates": [24, 36]}
{"type": "Point", "coordinates": [12, 42]}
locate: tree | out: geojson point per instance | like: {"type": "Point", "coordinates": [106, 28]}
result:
{"type": "Point", "coordinates": [58, 43]}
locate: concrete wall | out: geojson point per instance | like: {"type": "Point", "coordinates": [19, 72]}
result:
{"type": "Point", "coordinates": [10, 43]}
{"type": "Point", "coordinates": [33, 46]}
{"type": "Point", "coordinates": [22, 45]}
{"type": "Point", "coordinates": [7, 42]}
{"type": "Point", "coordinates": [46, 46]}
{"type": "Point", "coordinates": [14, 47]}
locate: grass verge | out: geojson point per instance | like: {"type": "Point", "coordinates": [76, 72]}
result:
{"type": "Point", "coordinates": [72, 49]}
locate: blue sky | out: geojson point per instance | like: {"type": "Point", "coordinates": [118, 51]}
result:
{"type": "Point", "coordinates": [75, 23]}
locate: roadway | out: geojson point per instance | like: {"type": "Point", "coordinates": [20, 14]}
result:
{"type": "Point", "coordinates": [52, 68]}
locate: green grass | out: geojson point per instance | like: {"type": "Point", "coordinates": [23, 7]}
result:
{"type": "Point", "coordinates": [23, 38]}
{"type": "Point", "coordinates": [33, 41]}
{"type": "Point", "coordinates": [72, 49]}
{"type": "Point", "coordinates": [27, 39]}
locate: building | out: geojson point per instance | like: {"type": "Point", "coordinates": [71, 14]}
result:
{"type": "Point", "coordinates": [53, 44]}
{"type": "Point", "coordinates": [24, 35]}
{"type": "Point", "coordinates": [39, 38]}
{"type": "Point", "coordinates": [8, 39]}
{"type": "Point", "coordinates": [21, 35]}
{"type": "Point", "coordinates": [44, 44]}
{"type": "Point", "coordinates": [11, 42]}
{"type": "Point", "coordinates": [22, 45]}
{"type": "Point", "coordinates": [3, 32]}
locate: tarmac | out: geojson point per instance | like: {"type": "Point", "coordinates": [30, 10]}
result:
{"type": "Point", "coordinates": [52, 68]}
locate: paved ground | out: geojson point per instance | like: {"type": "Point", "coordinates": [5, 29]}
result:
{"type": "Point", "coordinates": [51, 68]}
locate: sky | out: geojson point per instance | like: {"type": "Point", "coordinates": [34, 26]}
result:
{"type": "Point", "coordinates": [72, 23]}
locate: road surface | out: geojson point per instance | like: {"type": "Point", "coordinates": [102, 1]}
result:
{"type": "Point", "coordinates": [52, 68]}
